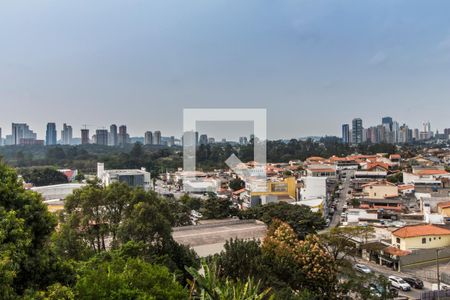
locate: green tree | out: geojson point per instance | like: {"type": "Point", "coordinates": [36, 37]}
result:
{"type": "Point", "coordinates": [56, 291]}
{"type": "Point", "coordinates": [240, 259]}
{"type": "Point", "coordinates": [396, 178]}
{"type": "Point", "coordinates": [85, 209]}
{"type": "Point", "coordinates": [194, 203]}
{"type": "Point", "coordinates": [299, 217]}
{"type": "Point", "coordinates": [340, 243]}
{"type": "Point", "coordinates": [43, 176]}
{"type": "Point", "coordinates": [302, 264]}
{"type": "Point", "coordinates": [209, 286]}
{"type": "Point", "coordinates": [236, 184]}
{"type": "Point", "coordinates": [216, 208]}
{"type": "Point", "coordinates": [112, 277]}
{"type": "Point", "coordinates": [25, 230]}
{"type": "Point", "coordinates": [55, 153]}
{"type": "Point", "coordinates": [181, 213]}
{"type": "Point", "coordinates": [148, 220]}
{"type": "Point", "coordinates": [14, 241]}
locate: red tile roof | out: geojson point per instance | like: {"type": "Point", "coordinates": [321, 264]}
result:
{"type": "Point", "coordinates": [444, 204]}
{"type": "Point", "coordinates": [420, 230]}
{"type": "Point", "coordinates": [432, 172]}
{"type": "Point", "coordinates": [375, 183]}
{"type": "Point", "coordinates": [371, 166]}
{"type": "Point", "coordinates": [406, 187]}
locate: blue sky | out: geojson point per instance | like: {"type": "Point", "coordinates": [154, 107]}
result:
{"type": "Point", "coordinates": [313, 64]}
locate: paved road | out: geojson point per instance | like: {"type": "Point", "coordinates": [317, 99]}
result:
{"type": "Point", "coordinates": [413, 294]}
{"type": "Point", "coordinates": [342, 200]}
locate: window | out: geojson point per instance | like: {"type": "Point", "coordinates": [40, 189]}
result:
{"type": "Point", "coordinates": [398, 240]}
{"type": "Point", "coordinates": [424, 241]}
{"type": "Point", "coordinates": [439, 237]}
{"type": "Point", "coordinates": [434, 238]}
{"type": "Point", "coordinates": [430, 239]}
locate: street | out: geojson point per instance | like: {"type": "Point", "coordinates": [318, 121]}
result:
{"type": "Point", "coordinates": [342, 200]}
{"type": "Point", "coordinates": [382, 270]}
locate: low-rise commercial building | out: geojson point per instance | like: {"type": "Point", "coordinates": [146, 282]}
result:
{"type": "Point", "coordinates": [132, 177]}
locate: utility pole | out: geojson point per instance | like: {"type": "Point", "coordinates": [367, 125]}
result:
{"type": "Point", "coordinates": [438, 274]}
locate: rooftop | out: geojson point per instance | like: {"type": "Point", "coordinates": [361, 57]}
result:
{"type": "Point", "coordinates": [420, 230]}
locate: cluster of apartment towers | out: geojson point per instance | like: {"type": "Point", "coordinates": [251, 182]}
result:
{"type": "Point", "coordinates": [389, 131]}
{"type": "Point", "coordinates": [21, 134]}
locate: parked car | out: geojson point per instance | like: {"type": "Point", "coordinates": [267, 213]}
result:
{"type": "Point", "coordinates": [363, 268]}
{"type": "Point", "coordinates": [399, 283]}
{"type": "Point", "coordinates": [414, 282]}
{"type": "Point", "coordinates": [378, 290]}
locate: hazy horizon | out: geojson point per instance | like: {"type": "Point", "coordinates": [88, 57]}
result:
{"type": "Point", "coordinates": [313, 65]}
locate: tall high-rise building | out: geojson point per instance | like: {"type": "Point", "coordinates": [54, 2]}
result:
{"type": "Point", "coordinates": [84, 136]}
{"type": "Point", "coordinates": [171, 141]}
{"type": "Point", "coordinates": [21, 131]}
{"type": "Point", "coordinates": [203, 139]}
{"type": "Point", "coordinates": [404, 134]}
{"type": "Point", "coordinates": [66, 134]}
{"type": "Point", "coordinates": [123, 135]}
{"type": "Point", "coordinates": [357, 131]}
{"type": "Point", "coordinates": [148, 138]}
{"type": "Point", "coordinates": [345, 134]}
{"type": "Point", "coordinates": [157, 137]}
{"type": "Point", "coordinates": [50, 134]}
{"type": "Point", "coordinates": [101, 137]}
{"type": "Point", "coordinates": [113, 136]}
{"type": "Point", "coordinates": [416, 134]}
{"type": "Point", "coordinates": [446, 132]}
{"type": "Point", "coordinates": [386, 120]}
{"type": "Point", "coordinates": [243, 140]}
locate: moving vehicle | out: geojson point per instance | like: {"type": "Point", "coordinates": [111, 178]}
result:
{"type": "Point", "coordinates": [399, 283]}
{"type": "Point", "coordinates": [414, 282]}
{"type": "Point", "coordinates": [363, 268]}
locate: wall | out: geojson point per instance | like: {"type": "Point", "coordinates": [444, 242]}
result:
{"type": "Point", "coordinates": [315, 187]}
{"type": "Point", "coordinates": [416, 242]}
{"type": "Point", "coordinates": [380, 191]}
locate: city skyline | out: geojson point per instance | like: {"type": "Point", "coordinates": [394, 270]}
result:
{"type": "Point", "coordinates": [244, 129]}
{"type": "Point", "coordinates": [299, 60]}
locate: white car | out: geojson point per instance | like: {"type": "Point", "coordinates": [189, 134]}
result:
{"type": "Point", "coordinates": [399, 283]}
{"type": "Point", "coordinates": [363, 268]}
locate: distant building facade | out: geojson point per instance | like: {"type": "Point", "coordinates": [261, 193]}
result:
{"type": "Point", "coordinates": [84, 136]}
{"type": "Point", "coordinates": [148, 138]}
{"type": "Point", "coordinates": [345, 134]}
{"type": "Point", "coordinates": [123, 135]}
{"type": "Point", "coordinates": [132, 177]}
{"type": "Point", "coordinates": [113, 135]}
{"type": "Point", "coordinates": [66, 134]}
{"type": "Point", "coordinates": [21, 131]}
{"type": "Point", "coordinates": [101, 136]}
{"type": "Point", "coordinates": [157, 137]}
{"type": "Point", "coordinates": [50, 134]}
{"type": "Point", "coordinates": [357, 131]}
